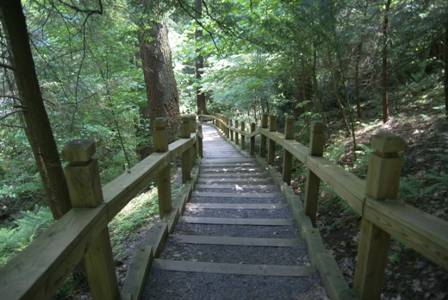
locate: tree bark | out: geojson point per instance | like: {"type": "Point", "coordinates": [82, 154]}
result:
{"type": "Point", "coordinates": [446, 68]}
{"type": "Point", "coordinates": [38, 127]}
{"type": "Point", "coordinates": [161, 86]}
{"type": "Point", "coordinates": [200, 96]}
{"type": "Point", "coordinates": [385, 74]}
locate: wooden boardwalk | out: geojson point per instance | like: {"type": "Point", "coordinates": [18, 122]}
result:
{"type": "Point", "coordinates": [236, 238]}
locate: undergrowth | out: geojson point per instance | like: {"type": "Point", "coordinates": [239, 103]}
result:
{"type": "Point", "coordinates": [15, 238]}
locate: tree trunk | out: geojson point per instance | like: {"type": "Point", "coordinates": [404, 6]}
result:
{"type": "Point", "coordinates": [161, 86]}
{"type": "Point", "coordinates": [446, 68]}
{"type": "Point", "coordinates": [357, 62]}
{"type": "Point", "coordinates": [38, 127]}
{"type": "Point", "coordinates": [385, 75]}
{"type": "Point", "coordinates": [200, 96]}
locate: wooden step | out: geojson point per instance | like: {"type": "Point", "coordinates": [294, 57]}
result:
{"type": "Point", "coordinates": [236, 195]}
{"type": "Point", "coordinates": [235, 241]}
{"type": "Point", "coordinates": [236, 186]}
{"type": "Point", "coordinates": [226, 268]}
{"type": "Point", "coordinates": [208, 161]}
{"type": "Point", "coordinates": [237, 221]}
{"type": "Point", "coordinates": [230, 165]}
{"type": "Point", "coordinates": [233, 175]}
{"type": "Point", "coordinates": [231, 180]}
{"type": "Point", "coordinates": [235, 205]}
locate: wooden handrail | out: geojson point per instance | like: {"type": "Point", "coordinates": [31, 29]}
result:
{"type": "Point", "coordinates": [420, 231]}
{"type": "Point", "coordinates": [37, 271]}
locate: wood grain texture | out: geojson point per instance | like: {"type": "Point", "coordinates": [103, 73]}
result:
{"type": "Point", "coordinates": [235, 241]}
{"type": "Point", "coordinates": [237, 221]}
{"type": "Point", "coordinates": [226, 268]}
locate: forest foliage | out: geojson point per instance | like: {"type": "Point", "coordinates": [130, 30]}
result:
{"type": "Point", "coordinates": [345, 62]}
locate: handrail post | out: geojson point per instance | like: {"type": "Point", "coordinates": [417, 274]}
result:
{"type": "Point", "coordinates": [317, 143]}
{"type": "Point", "coordinates": [287, 157]}
{"type": "Point", "coordinates": [252, 139]}
{"type": "Point", "coordinates": [192, 128]}
{"type": "Point", "coordinates": [243, 136]}
{"type": "Point", "coordinates": [85, 191]}
{"type": "Point", "coordinates": [383, 179]}
{"type": "Point", "coordinates": [271, 145]}
{"type": "Point", "coordinates": [264, 124]}
{"type": "Point", "coordinates": [237, 139]}
{"type": "Point", "coordinates": [231, 130]}
{"type": "Point", "coordinates": [160, 139]}
{"type": "Point", "coordinates": [199, 137]}
{"type": "Point", "coordinates": [226, 126]}
{"type": "Point", "coordinates": [186, 162]}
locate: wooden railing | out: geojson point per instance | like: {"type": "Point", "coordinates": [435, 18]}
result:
{"type": "Point", "coordinates": [82, 235]}
{"type": "Point", "coordinates": [375, 199]}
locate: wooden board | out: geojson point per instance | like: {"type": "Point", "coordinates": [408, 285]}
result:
{"type": "Point", "coordinates": [235, 186]}
{"type": "Point", "coordinates": [233, 175]}
{"type": "Point", "coordinates": [235, 241]}
{"type": "Point", "coordinates": [236, 160]}
{"type": "Point", "coordinates": [231, 180]}
{"type": "Point", "coordinates": [226, 268]}
{"type": "Point", "coordinates": [233, 195]}
{"type": "Point", "coordinates": [235, 205]}
{"type": "Point", "coordinates": [237, 221]}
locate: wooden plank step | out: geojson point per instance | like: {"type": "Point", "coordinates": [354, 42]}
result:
{"type": "Point", "coordinates": [235, 241]}
{"type": "Point", "coordinates": [233, 175]}
{"type": "Point", "coordinates": [236, 195]}
{"type": "Point", "coordinates": [207, 160]}
{"type": "Point", "coordinates": [229, 180]}
{"type": "Point", "coordinates": [235, 186]}
{"type": "Point", "coordinates": [230, 165]}
{"type": "Point", "coordinates": [236, 205]}
{"type": "Point", "coordinates": [226, 268]}
{"type": "Point", "coordinates": [237, 221]}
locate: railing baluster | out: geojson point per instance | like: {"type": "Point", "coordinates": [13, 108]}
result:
{"type": "Point", "coordinates": [186, 162]}
{"type": "Point", "coordinates": [383, 179]}
{"type": "Point", "coordinates": [199, 140]}
{"type": "Point", "coordinates": [271, 145]}
{"type": "Point", "coordinates": [252, 139]}
{"type": "Point", "coordinates": [237, 139]}
{"type": "Point", "coordinates": [243, 137]}
{"type": "Point", "coordinates": [160, 139]}
{"type": "Point", "coordinates": [231, 130]}
{"type": "Point", "coordinates": [317, 142]}
{"type": "Point", "coordinates": [264, 124]}
{"type": "Point", "coordinates": [85, 192]}
{"type": "Point", "coordinates": [287, 157]}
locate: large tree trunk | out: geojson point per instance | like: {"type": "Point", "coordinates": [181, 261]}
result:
{"type": "Point", "coordinates": [161, 86]}
{"type": "Point", "coordinates": [38, 127]}
{"type": "Point", "coordinates": [385, 74]}
{"type": "Point", "coordinates": [200, 96]}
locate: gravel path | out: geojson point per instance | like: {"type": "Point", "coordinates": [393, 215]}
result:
{"type": "Point", "coordinates": [206, 283]}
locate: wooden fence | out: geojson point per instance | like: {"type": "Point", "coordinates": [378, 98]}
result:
{"type": "Point", "coordinates": [376, 200]}
{"type": "Point", "coordinates": [82, 235]}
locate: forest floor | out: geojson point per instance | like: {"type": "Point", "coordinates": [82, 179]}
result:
{"type": "Point", "coordinates": [424, 184]}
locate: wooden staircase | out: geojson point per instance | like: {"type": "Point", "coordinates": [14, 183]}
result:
{"type": "Point", "coordinates": [235, 236]}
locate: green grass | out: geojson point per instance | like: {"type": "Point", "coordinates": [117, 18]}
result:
{"type": "Point", "coordinates": [142, 210]}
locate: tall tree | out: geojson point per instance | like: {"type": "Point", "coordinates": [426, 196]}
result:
{"type": "Point", "coordinates": [161, 86]}
{"type": "Point", "coordinates": [200, 95]}
{"type": "Point", "coordinates": [384, 73]}
{"type": "Point", "coordinates": [38, 127]}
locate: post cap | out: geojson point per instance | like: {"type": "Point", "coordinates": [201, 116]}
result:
{"type": "Point", "coordinates": [386, 142]}
{"type": "Point", "coordinates": [80, 150]}
{"type": "Point", "coordinates": [160, 123]}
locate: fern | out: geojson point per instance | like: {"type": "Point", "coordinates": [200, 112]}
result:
{"type": "Point", "coordinates": [25, 229]}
